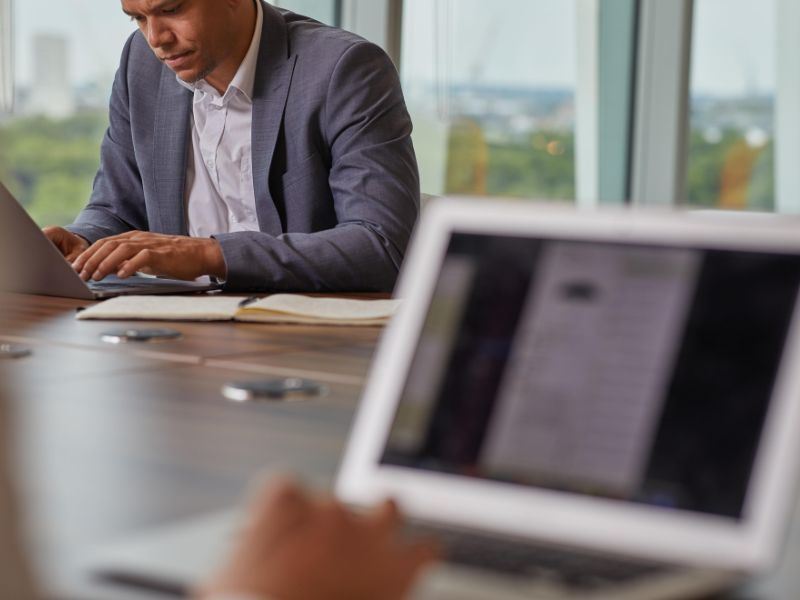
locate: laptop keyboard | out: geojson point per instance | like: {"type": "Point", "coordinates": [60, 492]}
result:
{"type": "Point", "coordinates": [569, 568]}
{"type": "Point", "coordinates": [114, 283]}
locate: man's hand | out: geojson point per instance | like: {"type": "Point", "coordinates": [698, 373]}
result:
{"type": "Point", "coordinates": [176, 256]}
{"type": "Point", "coordinates": [302, 548]}
{"type": "Point", "coordinates": [69, 244]}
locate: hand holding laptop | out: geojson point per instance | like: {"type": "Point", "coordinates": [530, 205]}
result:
{"type": "Point", "coordinates": [297, 547]}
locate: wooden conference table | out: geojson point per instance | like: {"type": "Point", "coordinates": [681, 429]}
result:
{"type": "Point", "coordinates": [114, 439]}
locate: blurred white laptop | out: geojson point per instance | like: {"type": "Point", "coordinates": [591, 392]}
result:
{"type": "Point", "coordinates": [589, 405]}
{"type": "Point", "coordinates": [32, 265]}
{"type": "Point", "coordinates": [580, 405]}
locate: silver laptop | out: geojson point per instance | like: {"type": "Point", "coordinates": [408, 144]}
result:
{"type": "Point", "coordinates": [588, 406]}
{"type": "Point", "coordinates": [579, 405]}
{"type": "Point", "coordinates": [32, 265]}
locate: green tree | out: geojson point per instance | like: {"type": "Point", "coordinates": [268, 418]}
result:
{"type": "Point", "coordinates": [540, 165]}
{"type": "Point", "coordinates": [709, 161]}
{"type": "Point", "coordinates": [50, 164]}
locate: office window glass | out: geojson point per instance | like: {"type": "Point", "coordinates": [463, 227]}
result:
{"type": "Point", "coordinates": [732, 109]}
{"type": "Point", "coordinates": [491, 90]}
{"type": "Point", "coordinates": [65, 56]}
{"type": "Point", "coordinates": [326, 11]}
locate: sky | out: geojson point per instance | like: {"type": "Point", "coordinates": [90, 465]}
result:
{"type": "Point", "coordinates": [734, 42]}
{"type": "Point", "coordinates": [96, 30]}
{"type": "Point", "coordinates": [504, 42]}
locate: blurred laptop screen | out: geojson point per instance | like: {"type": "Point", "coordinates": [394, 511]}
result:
{"type": "Point", "coordinates": [631, 372]}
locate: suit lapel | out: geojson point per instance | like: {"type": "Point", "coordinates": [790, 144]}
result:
{"type": "Point", "coordinates": [270, 91]}
{"type": "Point", "coordinates": [169, 154]}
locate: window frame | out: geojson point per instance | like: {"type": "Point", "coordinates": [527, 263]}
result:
{"type": "Point", "coordinates": [604, 94]}
{"type": "Point", "coordinates": [6, 56]}
{"type": "Point", "coordinates": [659, 156]}
{"type": "Point", "coordinates": [787, 115]}
{"type": "Point", "coordinates": [336, 5]}
{"type": "Point", "coordinates": [379, 21]}
{"type": "Point", "coordinates": [604, 100]}
{"type": "Point", "coordinates": [660, 151]}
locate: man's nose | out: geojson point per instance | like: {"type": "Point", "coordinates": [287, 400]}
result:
{"type": "Point", "coordinates": [158, 34]}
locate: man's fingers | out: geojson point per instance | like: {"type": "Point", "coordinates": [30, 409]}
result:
{"type": "Point", "coordinates": [405, 564]}
{"type": "Point", "coordinates": [282, 492]}
{"type": "Point", "coordinates": [72, 255]}
{"type": "Point", "coordinates": [80, 261]}
{"type": "Point", "coordinates": [139, 260]}
{"type": "Point", "coordinates": [153, 261]}
{"type": "Point", "coordinates": [79, 264]}
{"type": "Point", "coordinates": [333, 515]}
{"type": "Point", "coordinates": [282, 500]}
{"type": "Point", "coordinates": [179, 257]}
{"type": "Point", "coordinates": [89, 263]}
{"type": "Point", "coordinates": [385, 517]}
{"type": "Point", "coordinates": [274, 513]}
{"type": "Point", "coordinates": [69, 244]}
{"type": "Point", "coordinates": [420, 554]}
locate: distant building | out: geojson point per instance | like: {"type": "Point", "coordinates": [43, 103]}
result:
{"type": "Point", "coordinates": [50, 93]}
{"type": "Point", "coordinates": [6, 63]}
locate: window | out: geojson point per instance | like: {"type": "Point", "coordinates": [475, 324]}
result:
{"type": "Point", "coordinates": [65, 55]}
{"type": "Point", "coordinates": [6, 64]}
{"type": "Point", "coordinates": [529, 98]}
{"type": "Point", "coordinates": [717, 124]}
{"type": "Point", "coordinates": [492, 93]}
{"type": "Point", "coordinates": [326, 11]}
{"type": "Point", "coordinates": [732, 105]}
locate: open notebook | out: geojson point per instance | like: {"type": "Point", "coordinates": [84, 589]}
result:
{"type": "Point", "coordinates": [277, 308]}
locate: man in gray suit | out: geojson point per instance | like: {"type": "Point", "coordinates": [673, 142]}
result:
{"type": "Point", "coordinates": [252, 145]}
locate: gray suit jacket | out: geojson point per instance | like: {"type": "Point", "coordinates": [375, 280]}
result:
{"type": "Point", "coordinates": [336, 182]}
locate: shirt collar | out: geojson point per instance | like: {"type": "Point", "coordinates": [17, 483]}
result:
{"type": "Point", "coordinates": [245, 77]}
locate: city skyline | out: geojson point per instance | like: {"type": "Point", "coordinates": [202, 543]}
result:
{"type": "Point", "coordinates": [733, 61]}
{"type": "Point", "coordinates": [96, 30]}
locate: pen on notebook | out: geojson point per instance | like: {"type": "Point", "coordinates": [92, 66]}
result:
{"type": "Point", "coordinates": [249, 300]}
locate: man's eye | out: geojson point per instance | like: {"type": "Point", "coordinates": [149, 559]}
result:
{"type": "Point", "coordinates": [137, 18]}
{"type": "Point", "coordinates": [172, 10]}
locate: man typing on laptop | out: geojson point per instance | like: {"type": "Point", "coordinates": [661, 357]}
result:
{"type": "Point", "coordinates": [252, 145]}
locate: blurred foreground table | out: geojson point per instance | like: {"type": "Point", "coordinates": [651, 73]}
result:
{"type": "Point", "coordinates": [113, 439]}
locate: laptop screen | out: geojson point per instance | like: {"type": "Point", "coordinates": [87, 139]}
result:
{"type": "Point", "coordinates": [630, 372]}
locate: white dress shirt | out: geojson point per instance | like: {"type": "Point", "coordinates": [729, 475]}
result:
{"type": "Point", "coordinates": [219, 195]}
